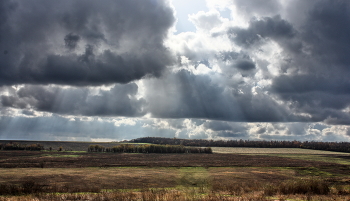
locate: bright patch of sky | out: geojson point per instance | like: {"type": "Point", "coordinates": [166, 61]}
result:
{"type": "Point", "coordinates": [184, 8]}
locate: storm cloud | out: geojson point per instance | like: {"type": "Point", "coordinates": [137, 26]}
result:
{"type": "Point", "coordinates": [119, 100]}
{"type": "Point", "coordinates": [266, 28]}
{"type": "Point", "coordinates": [83, 42]}
{"type": "Point", "coordinates": [319, 85]}
{"type": "Point", "coordinates": [199, 96]}
{"type": "Point", "coordinates": [272, 70]}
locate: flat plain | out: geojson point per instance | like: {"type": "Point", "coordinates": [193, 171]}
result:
{"type": "Point", "coordinates": [249, 150]}
{"type": "Point", "coordinates": [227, 174]}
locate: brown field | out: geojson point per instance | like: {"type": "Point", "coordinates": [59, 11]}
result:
{"type": "Point", "coordinates": [32, 159]}
{"type": "Point", "coordinates": [218, 176]}
{"type": "Point", "coordinates": [98, 178]}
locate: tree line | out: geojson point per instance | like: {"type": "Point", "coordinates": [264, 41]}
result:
{"type": "Point", "coordinates": [328, 146]}
{"type": "Point", "coordinates": [149, 148]}
{"type": "Point", "coordinates": [17, 146]}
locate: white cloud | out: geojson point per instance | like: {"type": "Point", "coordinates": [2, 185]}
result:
{"type": "Point", "coordinates": [124, 121]}
{"type": "Point", "coordinates": [206, 21]}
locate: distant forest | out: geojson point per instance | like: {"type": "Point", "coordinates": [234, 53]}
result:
{"type": "Point", "coordinates": [149, 148]}
{"type": "Point", "coordinates": [328, 146]}
{"type": "Point", "coordinates": [17, 146]}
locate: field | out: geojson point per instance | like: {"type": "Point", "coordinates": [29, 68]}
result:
{"type": "Point", "coordinates": [247, 150]}
{"type": "Point", "coordinates": [227, 174]}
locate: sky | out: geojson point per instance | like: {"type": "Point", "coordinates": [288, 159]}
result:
{"type": "Point", "coordinates": [114, 70]}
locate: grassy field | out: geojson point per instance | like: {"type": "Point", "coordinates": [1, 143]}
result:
{"type": "Point", "coordinates": [247, 150]}
{"type": "Point", "coordinates": [228, 174]}
{"type": "Point", "coordinates": [190, 183]}
{"type": "Point", "coordinates": [293, 153]}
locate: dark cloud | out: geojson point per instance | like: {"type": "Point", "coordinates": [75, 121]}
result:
{"type": "Point", "coordinates": [282, 137]}
{"type": "Point", "coordinates": [198, 96]}
{"type": "Point", "coordinates": [71, 40]}
{"type": "Point", "coordinates": [227, 129]}
{"type": "Point", "coordinates": [236, 62]}
{"type": "Point", "coordinates": [240, 60]}
{"type": "Point", "coordinates": [44, 41]}
{"type": "Point", "coordinates": [217, 125]}
{"type": "Point", "coordinates": [245, 65]}
{"type": "Point", "coordinates": [28, 112]}
{"type": "Point", "coordinates": [120, 100]}
{"type": "Point", "coordinates": [266, 28]}
{"type": "Point", "coordinates": [261, 130]}
{"type": "Point", "coordinates": [327, 31]}
{"type": "Point", "coordinates": [185, 95]}
{"type": "Point", "coordinates": [310, 83]}
{"type": "Point", "coordinates": [290, 64]}
{"type": "Point", "coordinates": [232, 134]}
{"type": "Point", "coordinates": [319, 85]}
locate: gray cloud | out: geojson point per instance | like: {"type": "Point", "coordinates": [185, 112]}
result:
{"type": "Point", "coordinates": [239, 60]}
{"type": "Point", "coordinates": [56, 127]}
{"type": "Point", "coordinates": [218, 125]}
{"type": "Point", "coordinates": [120, 100]}
{"type": "Point", "coordinates": [319, 86]}
{"type": "Point", "coordinates": [245, 65]}
{"type": "Point", "coordinates": [274, 28]}
{"type": "Point", "coordinates": [44, 41]}
{"type": "Point", "coordinates": [227, 129]}
{"type": "Point", "coordinates": [232, 134]}
{"type": "Point", "coordinates": [256, 7]}
{"type": "Point", "coordinates": [185, 95]}
{"type": "Point", "coordinates": [71, 40]}
{"type": "Point", "coordinates": [290, 64]}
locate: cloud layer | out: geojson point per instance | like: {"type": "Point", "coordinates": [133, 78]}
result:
{"type": "Point", "coordinates": [277, 70]}
{"type": "Point", "coordinates": [83, 42]}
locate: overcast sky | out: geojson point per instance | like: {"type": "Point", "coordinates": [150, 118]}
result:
{"type": "Point", "coordinates": [112, 70]}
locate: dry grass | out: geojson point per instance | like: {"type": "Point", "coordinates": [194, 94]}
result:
{"type": "Point", "coordinates": [104, 178]}
{"type": "Point", "coordinates": [227, 176]}
{"type": "Point", "coordinates": [341, 159]}
{"type": "Point", "coordinates": [289, 190]}
{"type": "Point", "coordinates": [144, 177]}
{"type": "Point", "coordinates": [169, 177]}
{"type": "Point", "coordinates": [292, 153]}
{"type": "Point", "coordinates": [247, 150]}
{"type": "Point", "coordinates": [186, 183]}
